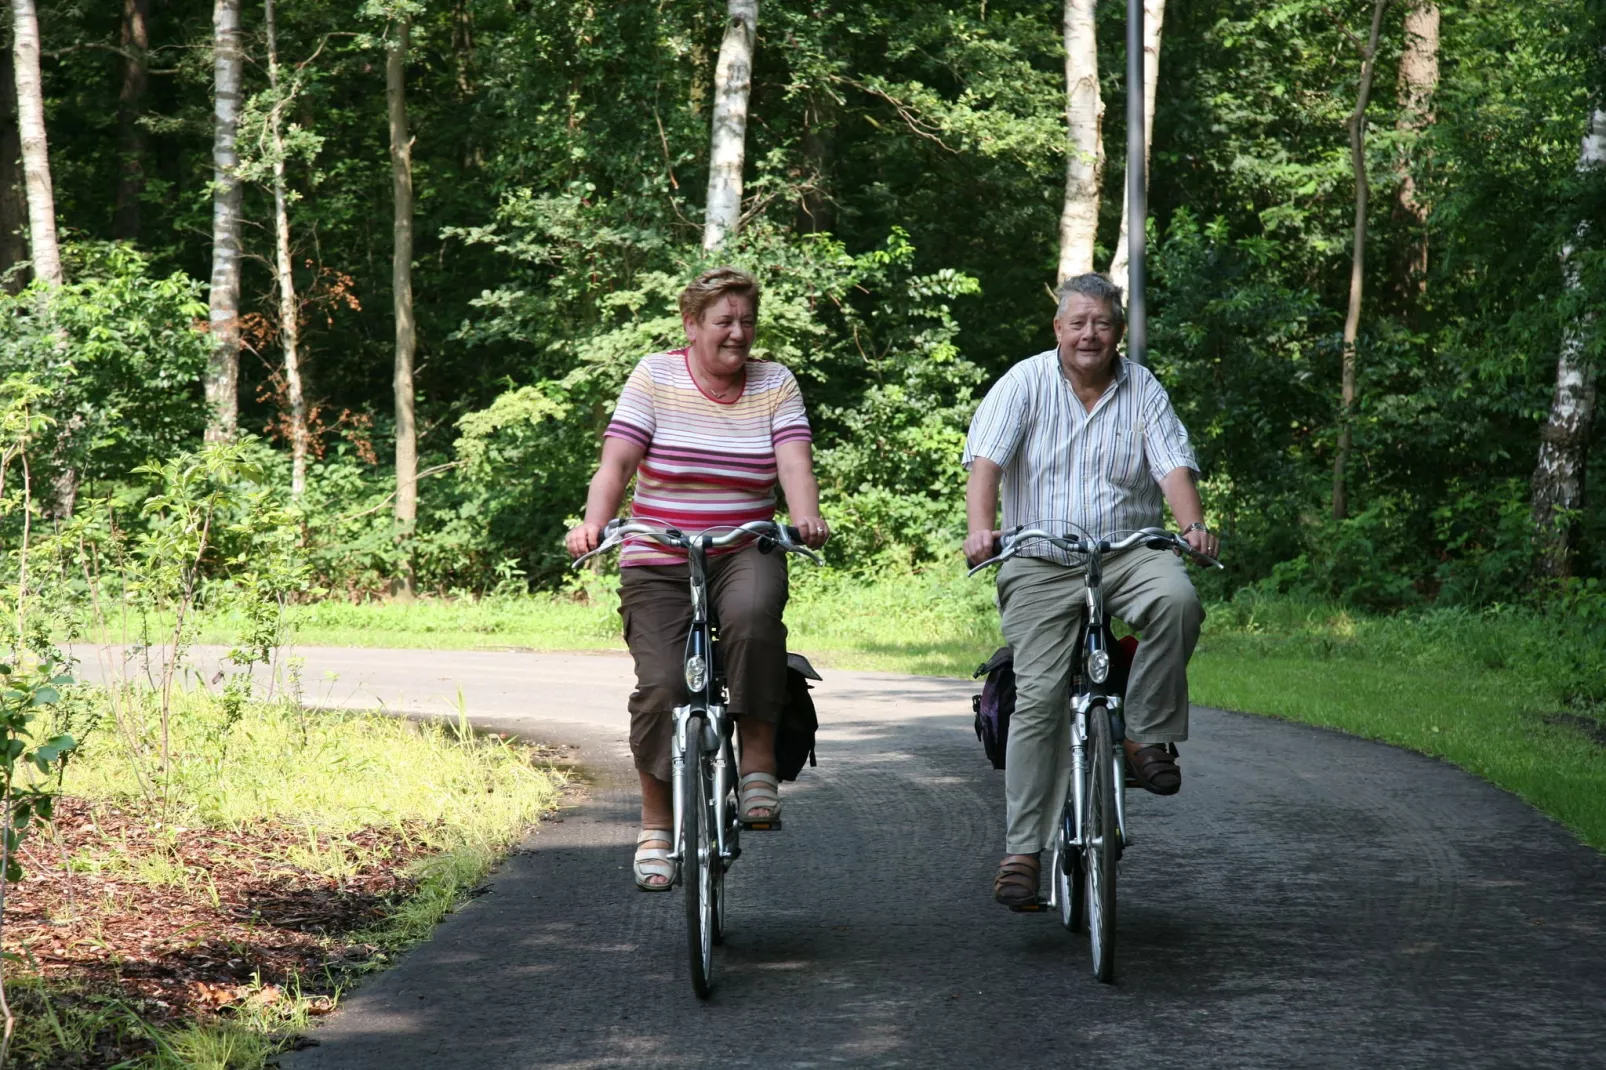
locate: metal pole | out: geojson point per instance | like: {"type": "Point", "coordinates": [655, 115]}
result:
{"type": "Point", "coordinates": [1137, 330]}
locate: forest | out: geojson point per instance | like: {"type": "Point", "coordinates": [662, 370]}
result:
{"type": "Point", "coordinates": [402, 253]}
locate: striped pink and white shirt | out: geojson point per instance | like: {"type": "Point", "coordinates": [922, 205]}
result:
{"type": "Point", "coordinates": [708, 463]}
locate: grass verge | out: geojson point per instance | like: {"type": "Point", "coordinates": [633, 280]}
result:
{"type": "Point", "coordinates": [1515, 697]}
{"type": "Point", "coordinates": [200, 912]}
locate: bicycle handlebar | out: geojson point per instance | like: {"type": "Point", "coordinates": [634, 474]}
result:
{"type": "Point", "coordinates": [616, 532]}
{"type": "Point", "coordinates": [1154, 538]}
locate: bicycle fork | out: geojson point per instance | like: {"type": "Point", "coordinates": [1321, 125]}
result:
{"type": "Point", "coordinates": [1079, 770]}
{"type": "Point", "coordinates": [713, 742]}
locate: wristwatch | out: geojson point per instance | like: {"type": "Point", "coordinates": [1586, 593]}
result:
{"type": "Point", "coordinates": [1197, 525]}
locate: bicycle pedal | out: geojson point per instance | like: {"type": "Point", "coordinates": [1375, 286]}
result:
{"type": "Point", "coordinates": [762, 826]}
{"type": "Point", "coordinates": [1038, 907]}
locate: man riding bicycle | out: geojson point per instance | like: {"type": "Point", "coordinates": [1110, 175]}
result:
{"type": "Point", "coordinates": [1080, 436]}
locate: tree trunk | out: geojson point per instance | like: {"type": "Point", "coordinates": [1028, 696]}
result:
{"type": "Point", "coordinates": [733, 79]}
{"type": "Point", "coordinates": [1084, 155]}
{"type": "Point", "coordinates": [223, 371]}
{"type": "Point", "coordinates": [13, 198]}
{"type": "Point", "coordinates": [401, 169]}
{"type": "Point", "coordinates": [1558, 482]}
{"type": "Point", "coordinates": [289, 311]}
{"type": "Point", "coordinates": [1352, 317]}
{"type": "Point", "coordinates": [1153, 19]}
{"type": "Point", "coordinates": [1419, 77]}
{"type": "Point", "coordinates": [130, 105]}
{"type": "Point", "coordinates": [35, 150]}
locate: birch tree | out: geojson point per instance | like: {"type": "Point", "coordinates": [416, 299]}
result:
{"type": "Point", "coordinates": [401, 170]}
{"type": "Point", "coordinates": [35, 150]}
{"type": "Point", "coordinates": [289, 309]}
{"type": "Point", "coordinates": [733, 80]}
{"type": "Point", "coordinates": [1153, 19]}
{"type": "Point", "coordinates": [1558, 481]}
{"type": "Point", "coordinates": [1084, 150]}
{"type": "Point", "coordinates": [223, 372]}
{"type": "Point", "coordinates": [136, 44]}
{"type": "Point", "coordinates": [1419, 77]}
{"type": "Point", "coordinates": [1352, 316]}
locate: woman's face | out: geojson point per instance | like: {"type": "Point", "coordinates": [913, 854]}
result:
{"type": "Point", "coordinates": [723, 338]}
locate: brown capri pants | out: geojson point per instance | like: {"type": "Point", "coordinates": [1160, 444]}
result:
{"type": "Point", "coordinates": [748, 590]}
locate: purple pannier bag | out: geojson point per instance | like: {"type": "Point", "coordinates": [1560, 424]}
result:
{"type": "Point", "coordinates": [995, 704]}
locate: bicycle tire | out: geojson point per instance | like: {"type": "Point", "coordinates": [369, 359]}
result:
{"type": "Point", "coordinates": [1101, 842]}
{"type": "Point", "coordinates": [699, 860]}
{"type": "Point", "coordinates": [1070, 887]}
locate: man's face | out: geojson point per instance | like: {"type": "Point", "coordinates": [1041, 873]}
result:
{"type": "Point", "coordinates": [1087, 334]}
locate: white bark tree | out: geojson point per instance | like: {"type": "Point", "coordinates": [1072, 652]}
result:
{"type": "Point", "coordinates": [1357, 274]}
{"type": "Point", "coordinates": [1084, 150]}
{"type": "Point", "coordinates": [401, 169]}
{"type": "Point", "coordinates": [1419, 77]}
{"type": "Point", "coordinates": [289, 309]}
{"type": "Point", "coordinates": [35, 149]}
{"type": "Point", "coordinates": [1153, 23]}
{"type": "Point", "coordinates": [733, 80]}
{"type": "Point", "coordinates": [223, 370]}
{"type": "Point", "coordinates": [1558, 481]}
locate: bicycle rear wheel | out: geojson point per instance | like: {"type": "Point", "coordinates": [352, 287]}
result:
{"type": "Point", "coordinates": [699, 860]}
{"type": "Point", "coordinates": [1100, 842]}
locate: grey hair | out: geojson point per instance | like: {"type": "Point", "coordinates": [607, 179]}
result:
{"type": "Point", "coordinates": [1097, 287]}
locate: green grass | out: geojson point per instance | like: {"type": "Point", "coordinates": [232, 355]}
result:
{"type": "Point", "coordinates": [1514, 697]}
{"type": "Point", "coordinates": [464, 797]}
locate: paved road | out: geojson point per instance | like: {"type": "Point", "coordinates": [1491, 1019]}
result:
{"type": "Point", "coordinates": [1310, 900]}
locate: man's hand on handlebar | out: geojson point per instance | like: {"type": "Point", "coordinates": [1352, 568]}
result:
{"type": "Point", "coordinates": [583, 538]}
{"type": "Point", "coordinates": [1204, 541]}
{"type": "Point", "coordinates": [980, 545]}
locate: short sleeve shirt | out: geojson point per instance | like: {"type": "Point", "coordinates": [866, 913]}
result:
{"type": "Point", "coordinates": [1061, 464]}
{"type": "Point", "coordinates": [708, 463]}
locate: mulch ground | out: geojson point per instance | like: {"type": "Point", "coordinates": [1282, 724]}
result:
{"type": "Point", "coordinates": [186, 923]}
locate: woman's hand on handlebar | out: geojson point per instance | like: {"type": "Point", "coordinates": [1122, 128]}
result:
{"type": "Point", "coordinates": [980, 545]}
{"type": "Point", "coordinates": [814, 530]}
{"type": "Point", "coordinates": [583, 538]}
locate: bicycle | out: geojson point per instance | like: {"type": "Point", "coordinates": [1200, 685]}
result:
{"type": "Point", "coordinates": [707, 829]}
{"type": "Point", "coordinates": [1093, 831]}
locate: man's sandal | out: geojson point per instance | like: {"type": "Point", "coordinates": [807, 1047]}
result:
{"type": "Point", "coordinates": [760, 806]}
{"type": "Point", "coordinates": [654, 861]}
{"type": "Point", "coordinates": [1155, 768]}
{"type": "Point", "coordinates": [1016, 883]}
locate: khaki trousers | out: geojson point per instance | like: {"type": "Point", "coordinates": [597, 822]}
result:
{"type": "Point", "coordinates": [1042, 604]}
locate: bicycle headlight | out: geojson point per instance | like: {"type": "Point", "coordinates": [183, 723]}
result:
{"type": "Point", "coordinates": [1098, 666]}
{"type": "Point", "coordinates": [697, 672]}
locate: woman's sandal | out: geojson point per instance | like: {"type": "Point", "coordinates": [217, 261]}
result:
{"type": "Point", "coordinates": [1155, 768]}
{"type": "Point", "coordinates": [1016, 883]}
{"type": "Point", "coordinates": [654, 861]}
{"type": "Point", "coordinates": [760, 791]}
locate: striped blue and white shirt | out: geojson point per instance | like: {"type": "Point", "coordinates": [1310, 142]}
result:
{"type": "Point", "coordinates": [1099, 470]}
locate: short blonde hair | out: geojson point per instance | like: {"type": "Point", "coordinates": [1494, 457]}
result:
{"type": "Point", "coordinates": [713, 284]}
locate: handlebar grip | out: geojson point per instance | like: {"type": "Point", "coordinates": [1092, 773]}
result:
{"type": "Point", "coordinates": [793, 534]}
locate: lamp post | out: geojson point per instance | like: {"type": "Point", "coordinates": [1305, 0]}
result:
{"type": "Point", "coordinates": [1137, 330]}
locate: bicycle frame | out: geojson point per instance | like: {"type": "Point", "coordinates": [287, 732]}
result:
{"type": "Point", "coordinates": [703, 665]}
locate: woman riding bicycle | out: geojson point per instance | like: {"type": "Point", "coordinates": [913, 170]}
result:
{"type": "Point", "coordinates": [707, 431]}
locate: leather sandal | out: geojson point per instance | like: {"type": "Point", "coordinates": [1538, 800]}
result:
{"type": "Point", "coordinates": [761, 792]}
{"type": "Point", "coordinates": [1154, 767]}
{"type": "Point", "coordinates": [1016, 883]}
{"type": "Point", "coordinates": [654, 861]}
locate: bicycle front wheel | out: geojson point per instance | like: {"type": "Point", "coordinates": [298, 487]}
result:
{"type": "Point", "coordinates": [1101, 844]}
{"type": "Point", "coordinates": [699, 860]}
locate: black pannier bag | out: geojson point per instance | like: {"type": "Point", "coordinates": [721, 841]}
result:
{"type": "Point", "coordinates": [995, 704]}
{"type": "Point", "coordinates": [794, 736]}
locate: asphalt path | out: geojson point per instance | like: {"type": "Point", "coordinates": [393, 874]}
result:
{"type": "Point", "coordinates": [1309, 900]}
